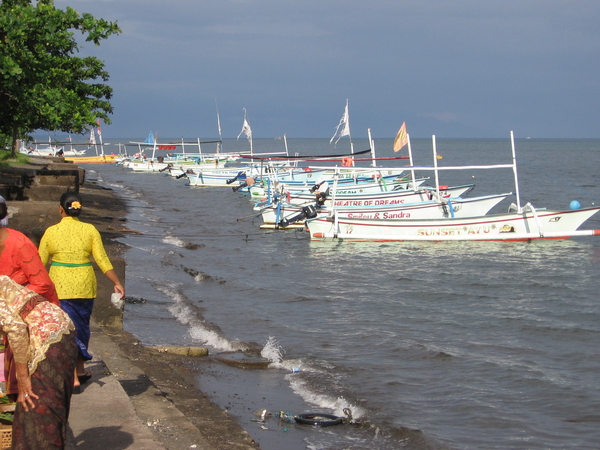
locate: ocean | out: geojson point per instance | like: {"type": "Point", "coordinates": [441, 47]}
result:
{"type": "Point", "coordinates": [447, 345]}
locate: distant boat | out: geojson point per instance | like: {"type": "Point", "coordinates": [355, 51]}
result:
{"type": "Point", "coordinates": [101, 159]}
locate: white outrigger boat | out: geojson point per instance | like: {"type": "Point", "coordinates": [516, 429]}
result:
{"type": "Point", "coordinates": [359, 195]}
{"type": "Point", "coordinates": [292, 177]}
{"type": "Point", "coordinates": [51, 150]}
{"type": "Point", "coordinates": [282, 215]}
{"type": "Point", "coordinates": [519, 224]}
{"type": "Point", "coordinates": [349, 187]}
{"type": "Point", "coordinates": [528, 224]}
{"type": "Point", "coordinates": [176, 165]}
{"type": "Point", "coordinates": [176, 156]}
{"type": "Point", "coordinates": [349, 182]}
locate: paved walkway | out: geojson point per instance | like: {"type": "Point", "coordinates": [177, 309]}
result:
{"type": "Point", "coordinates": [104, 417]}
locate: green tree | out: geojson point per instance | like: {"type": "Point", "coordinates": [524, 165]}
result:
{"type": "Point", "coordinates": [43, 86]}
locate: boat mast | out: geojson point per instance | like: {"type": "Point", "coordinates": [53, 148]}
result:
{"type": "Point", "coordinates": [154, 147]}
{"type": "Point", "coordinates": [372, 145]}
{"type": "Point", "coordinates": [410, 158]}
{"type": "Point", "coordinates": [99, 131]}
{"type": "Point", "coordinates": [220, 143]}
{"type": "Point", "coordinates": [435, 165]}
{"type": "Point", "coordinates": [514, 157]}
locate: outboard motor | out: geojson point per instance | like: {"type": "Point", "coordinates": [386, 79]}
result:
{"type": "Point", "coordinates": [235, 178]}
{"type": "Point", "coordinates": [320, 198]}
{"type": "Point", "coordinates": [308, 212]}
{"type": "Point", "coordinates": [315, 187]}
{"type": "Point", "coordinates": [249, 182]}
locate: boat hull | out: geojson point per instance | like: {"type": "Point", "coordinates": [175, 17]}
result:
{"type": "Point", "coordinates": [399, 196]}
{"type": "Point", "coordinates": [528, 225]}
{"type": "Point", "coordinates": [106, 159]}
{"type": "Point", "coordinates": [343, 188]}
{"type": "Point", "coordinates": [429, 209]}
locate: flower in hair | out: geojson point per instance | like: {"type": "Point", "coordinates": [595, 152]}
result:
{"type": "Point", "coordinates": [75, 205]}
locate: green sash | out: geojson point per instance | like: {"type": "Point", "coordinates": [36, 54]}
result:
{"type": "Point", "coordinates": [56, 263]}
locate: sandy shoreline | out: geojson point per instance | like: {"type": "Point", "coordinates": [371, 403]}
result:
{"type": "Point", "coordinates": [174, 376]}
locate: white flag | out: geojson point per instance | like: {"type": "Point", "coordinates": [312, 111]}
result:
{"type": "Point", "coordinates": [246, 128]}
{"type": "Point", "coordinates": [92, 137]}
{"type": "Point", "coordinates": [98, 130]}
{"type": "Point", "coordinates": [343, 127]}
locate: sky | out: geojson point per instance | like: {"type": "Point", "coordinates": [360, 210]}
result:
{"type": "Point", "coordinates": [450, 68]}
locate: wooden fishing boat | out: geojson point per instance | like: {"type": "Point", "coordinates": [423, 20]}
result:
{"type": "Point", "coordinates": [284, 215]}
{"type": "Point", "coordinates": [400, 194]}
{"type": "Point", "coordinates": [527, 224]}
{"type": "Point", "coordinates": [101, 159]}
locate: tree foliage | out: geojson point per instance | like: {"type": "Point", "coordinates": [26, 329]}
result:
{"type": "Point", "coordinates": [42, 84]}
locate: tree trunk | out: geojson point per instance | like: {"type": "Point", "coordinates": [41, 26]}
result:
{"type": "Point", "coordinates": [15, 142]}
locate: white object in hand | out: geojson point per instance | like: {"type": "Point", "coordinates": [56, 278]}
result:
{"type": "Point", "coordinates": [117, 301]}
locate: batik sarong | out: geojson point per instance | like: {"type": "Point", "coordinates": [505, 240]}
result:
{"type": "Point", "coordinates": [45, 426]}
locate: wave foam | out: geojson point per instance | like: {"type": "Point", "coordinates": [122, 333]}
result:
{"type": "Point", "coordinates": [197, 330]}
{"type": "Point", "coordinates": [301, 387]}
{"type": "Point", "coordinates": [175, 241]}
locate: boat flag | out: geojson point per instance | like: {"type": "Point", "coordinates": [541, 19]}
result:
{"type": "Point", "coordinates": [219, 126]}
{"type": "Point", "coordinates": [401, 138]}
{"type": "Point", "coordinates": [344, 125]}
{"type": "Point", "coordinates": [92, 137]}
{"type": "Point", "coordinates": [150, 139]}
{"type": "Point", "coordinates": [246, 128]}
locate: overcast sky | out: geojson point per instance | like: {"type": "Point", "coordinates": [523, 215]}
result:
{"type": "Point", "coordinates": [453, 68]}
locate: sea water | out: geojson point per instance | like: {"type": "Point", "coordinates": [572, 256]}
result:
{"type": "Point", "coordinates": [462, 345]}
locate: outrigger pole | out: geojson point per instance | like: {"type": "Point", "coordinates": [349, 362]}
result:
{"type": "Point", "coordinates": [514, 157]}
{"type": "Point", "coordinates": [372, 145]}
{"type": "Point", "coordinates": [410, 157]}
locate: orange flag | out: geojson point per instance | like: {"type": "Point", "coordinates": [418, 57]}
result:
{"type": "Point", "coordinates": [401, 138]}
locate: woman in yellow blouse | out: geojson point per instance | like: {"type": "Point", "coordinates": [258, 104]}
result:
{"type": "Point", "coordinates": [70, 244]}
{"type": "Point", "coordinates": [42, 339]}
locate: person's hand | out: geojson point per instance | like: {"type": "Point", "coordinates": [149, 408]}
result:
{"type": "Point", "coordinates": [26, 394]}
{"type": "Point", "coordinates": [120, 289]}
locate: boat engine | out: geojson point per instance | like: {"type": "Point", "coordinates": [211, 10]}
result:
{"type": "Point", "coordinates": [249, 182]}
{"type": "Point", "coordinates": [235, 178]}
{"type": "Point", "coordinates": [308, 212]}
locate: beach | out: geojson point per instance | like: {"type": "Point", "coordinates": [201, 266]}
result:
{"type": "Point", "coordinates": [169, 378]}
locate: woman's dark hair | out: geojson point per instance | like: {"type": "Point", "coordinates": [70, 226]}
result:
{"type": "Point", "coordinates": [71, 203]}
{"type": "Point", "coordinates": [3, 209]}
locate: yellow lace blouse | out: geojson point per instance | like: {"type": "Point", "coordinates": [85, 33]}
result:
{"type": "Point", "coordinates": [30, 322]}
{"type": "Point", "coordinates": [73, 243]}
